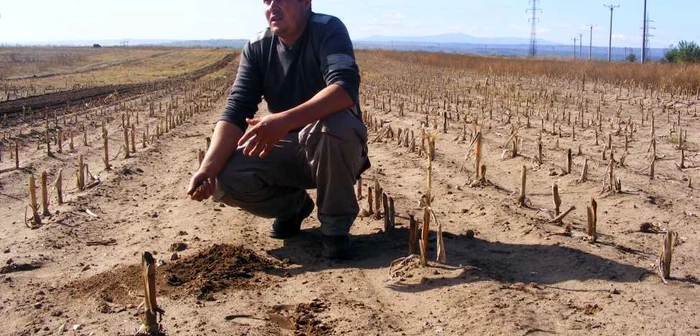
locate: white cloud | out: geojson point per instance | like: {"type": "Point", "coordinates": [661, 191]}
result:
{"type": "Point", "coordinates": [619, 37]}
{"type": "Point", "coordinates": [394, 16]}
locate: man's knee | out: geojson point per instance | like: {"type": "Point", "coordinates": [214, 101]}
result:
{"type": "Point", "coordinates": [342, 126]}
{"type": "Point", "coordinates": [243, 189]}
{"type": "Point", "coordinates": [237, 180]}
{"type": "Point", "coordinates": [340, 132]}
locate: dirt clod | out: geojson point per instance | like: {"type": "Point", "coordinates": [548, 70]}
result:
{"type": "Point", "coordinates": [591, 309]}
{"type": "Point", "coordinates": [177, 247]}
{"type": "Point", "coordinates": [470, 234]}
{"type": "Point", "coordinates": [12, 267]}
{"type": "Point", "coordinates": [649, 228]}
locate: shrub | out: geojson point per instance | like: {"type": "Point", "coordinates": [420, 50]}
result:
{"type": "Point", "coordinates": [685, 52]}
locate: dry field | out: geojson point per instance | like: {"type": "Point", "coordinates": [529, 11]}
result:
{"type": "Point", "coordinates": [507, 266]}
{"type": "Point", "coordinates": [32, 71]}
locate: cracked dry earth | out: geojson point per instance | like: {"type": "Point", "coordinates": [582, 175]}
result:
{"type": "Point", "coordinates": [518, 275]}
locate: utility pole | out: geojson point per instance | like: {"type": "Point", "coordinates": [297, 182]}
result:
{"type": "Point", "coordinates": [612, 8]}
{"type": "Point", "coordinates": [580, 45]}
{"type": "Point", "coordinates": [644, 33]}
{"type": "Point", "coordinates": [533, 23]}
{"type": "Point", "coordinates": [590, 43]}
{"type": "Point", "coordinates": [574, 48]}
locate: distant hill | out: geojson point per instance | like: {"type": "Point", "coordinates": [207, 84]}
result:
{"type": "Point", "coordinates": [456, 38]}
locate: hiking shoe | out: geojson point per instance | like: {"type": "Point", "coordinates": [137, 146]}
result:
{"type": "Point", "coordinates": [287, 228]}
{"type": "Point", "coordinates": [336, 247]}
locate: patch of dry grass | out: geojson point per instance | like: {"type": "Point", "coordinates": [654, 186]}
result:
{"type": "Point", "coordinates": [669, 78]}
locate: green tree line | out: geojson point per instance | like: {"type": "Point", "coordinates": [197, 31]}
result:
{"type": "Point", "coordinates": [684, 52]}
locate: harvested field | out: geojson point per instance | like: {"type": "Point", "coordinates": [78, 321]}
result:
{"type": "Point", "coordinates": [112, 91]}
{"type": "Point", "coordinates": [29, 72]}
{"type": "Point", "coordinates": [515, 262]}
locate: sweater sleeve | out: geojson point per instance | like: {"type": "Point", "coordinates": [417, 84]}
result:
{"type": "Point", "coordinates": [246, 92]}
{"type": "Point", "coordinates": [337, 58]}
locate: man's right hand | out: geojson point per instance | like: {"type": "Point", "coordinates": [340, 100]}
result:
{"type": "Point", "coordinates": [223, 145]}
{"type": "Point", "coordinates": [201, 186]}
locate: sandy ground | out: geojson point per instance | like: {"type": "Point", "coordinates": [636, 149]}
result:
{"type": "Point", "coordinates": [519, 275]}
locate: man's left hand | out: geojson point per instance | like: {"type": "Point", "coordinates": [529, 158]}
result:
{"type": "Point", "coordinates": [263, 133]}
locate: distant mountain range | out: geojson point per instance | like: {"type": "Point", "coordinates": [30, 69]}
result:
{"type": "Point", "coordinates": [511, 50]}
{"type": "Point", "coordinates": [455, 38]}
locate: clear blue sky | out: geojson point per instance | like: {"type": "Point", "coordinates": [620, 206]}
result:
{"type": "Point", "coordinates": [561, 20]}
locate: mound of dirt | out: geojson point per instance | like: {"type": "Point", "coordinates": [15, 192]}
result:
{"type": "Point", "coordinates": [220, 267]}
{"type": "Point", "coordinates": [212, 270]}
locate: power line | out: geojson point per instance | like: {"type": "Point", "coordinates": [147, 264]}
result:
{"type": "Point", "coordinates": [533, 23]}
{"type": "Point", "coordinates": [612, 8]}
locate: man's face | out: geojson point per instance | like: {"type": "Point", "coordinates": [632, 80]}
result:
{"type": "Point", "coordinates": [286, 17]}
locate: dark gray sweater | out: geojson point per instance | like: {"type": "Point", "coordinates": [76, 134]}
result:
{"type": "Point", "coordinates": [290, 76]}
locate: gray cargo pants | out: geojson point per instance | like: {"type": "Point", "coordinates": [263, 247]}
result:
{"type": "Point", "coordinates": [327, 155]}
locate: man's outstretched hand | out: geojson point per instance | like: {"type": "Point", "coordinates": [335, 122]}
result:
{"type": "Point", "coordinates": [201, 186]}
{"type": "Point", "coordinates": [263, 134]}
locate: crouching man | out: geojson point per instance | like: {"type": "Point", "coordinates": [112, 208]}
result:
{"type": "Point", "coordinates": [304, 66]}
